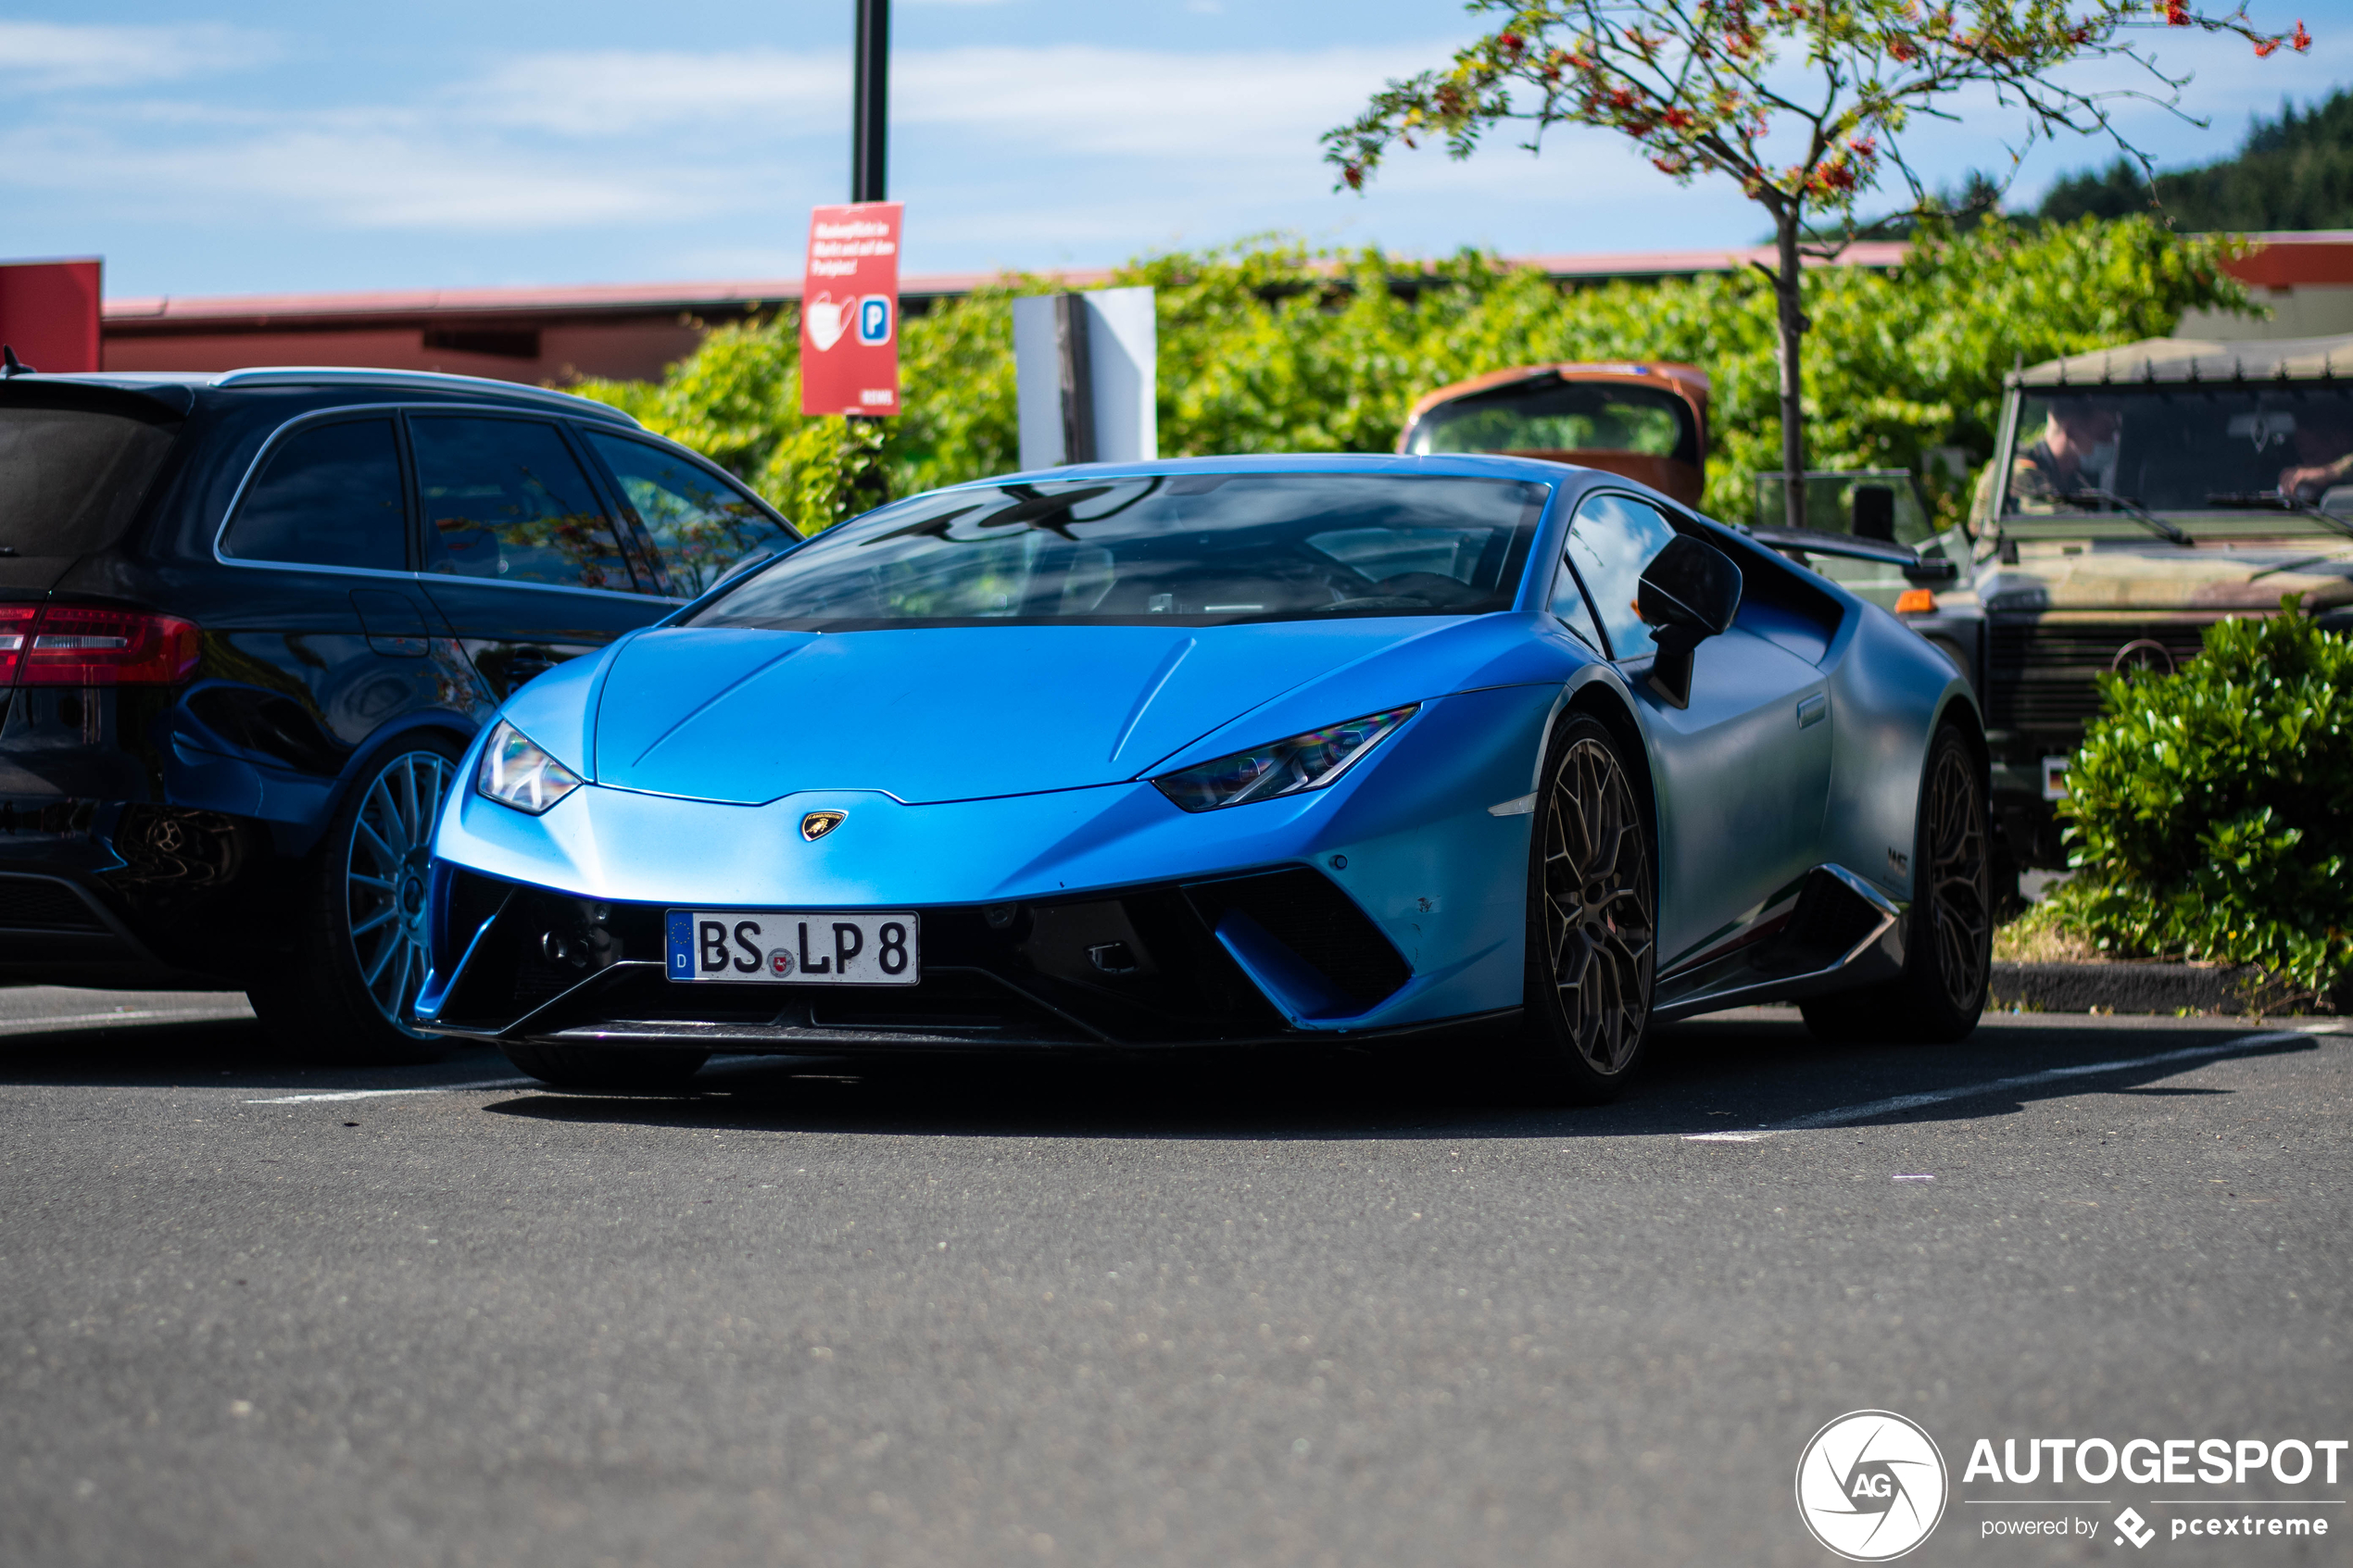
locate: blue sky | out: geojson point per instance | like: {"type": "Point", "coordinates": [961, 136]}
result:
{"type": "Point", "coordinates": [270, 146]}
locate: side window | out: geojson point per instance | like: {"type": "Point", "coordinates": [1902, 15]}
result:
{"type": "Point", "coordinates": [699, 524]}
{"type": "Point", "coordinates": [1612, 540]}
{"type": "Point", "coordinates": [327, 496]}
{"type": "Point", "coordinates": [1569, 603]}
{"type": "Point", "coordinates": [505, 500]}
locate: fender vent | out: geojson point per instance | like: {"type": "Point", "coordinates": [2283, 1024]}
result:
{"type": "Point", "coordinates": [1305, 912]}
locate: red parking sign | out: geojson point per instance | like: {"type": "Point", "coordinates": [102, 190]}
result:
{"type": "Point", "coordinates": [850, 310]}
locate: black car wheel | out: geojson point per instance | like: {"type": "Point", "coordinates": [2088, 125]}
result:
{"type": "Point", "coordinates": [359, 957]}
{"type": "Point", "coordinates": [1592, 920]}
{"type": "Point", "coordinates": [1949, 950]}
{"type": "Point", "coordinates": [621, 1069]}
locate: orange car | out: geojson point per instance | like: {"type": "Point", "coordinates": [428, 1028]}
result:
{"type": "Point", "coordinates": [1648, 423]}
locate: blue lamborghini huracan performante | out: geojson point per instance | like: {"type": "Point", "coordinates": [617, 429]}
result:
{"type": "Point", "coordinates": [1259, 752]}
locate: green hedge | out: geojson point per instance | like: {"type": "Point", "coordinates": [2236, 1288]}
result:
{"type": "Point", "coordinates": [2211, 811]}
{"type": "Point", "coordinates": [1266, 346]}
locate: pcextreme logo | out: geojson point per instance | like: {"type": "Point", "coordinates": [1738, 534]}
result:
{"type": "Point", "coordinates": [1871, 1485]}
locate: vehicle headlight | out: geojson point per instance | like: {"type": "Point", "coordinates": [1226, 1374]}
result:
{"type": "Point", "coordinates": [1285, 767]}
{"type": "Point", "coordinates": [516, 772]}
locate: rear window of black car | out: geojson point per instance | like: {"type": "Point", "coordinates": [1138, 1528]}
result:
{"type": "Point", "coordinates": [72, 475]}
{"type": "Point", "coordinates": [1191, 549]}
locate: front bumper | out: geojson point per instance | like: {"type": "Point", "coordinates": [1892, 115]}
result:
{"type": "Point", "coordinates": [1275, 955]}
{"type": "Point", "coordinates": [1395, 899]}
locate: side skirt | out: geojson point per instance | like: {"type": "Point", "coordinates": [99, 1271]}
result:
{"type": "Point", "coordinates": [1837, 932]}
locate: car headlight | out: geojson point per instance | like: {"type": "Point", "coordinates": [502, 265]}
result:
{"type": "Point", "coordinates": [516, 772]}
{"type": "Point", "coordinates": [1285, 767]}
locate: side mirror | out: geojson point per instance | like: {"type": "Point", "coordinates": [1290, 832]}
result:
{"type": "Point", "coordinates": [1689, 592]}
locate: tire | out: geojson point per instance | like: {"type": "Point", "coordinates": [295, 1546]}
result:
{"type": "Point", "coordinates": [619, 1070]}
{"type": "Point", "coordinates": [1591, 921]}
{"type": "Point", "coordinates": [1949, 951]}
{"type": "Point", "coordinates": [360, 952]}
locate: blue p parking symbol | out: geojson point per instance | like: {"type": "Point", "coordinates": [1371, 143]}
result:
{"type": "Point", "coordinates": [874, 318]}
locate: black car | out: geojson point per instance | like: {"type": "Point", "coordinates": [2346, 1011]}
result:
{"type": "Point", "coordinates": [247, 624]}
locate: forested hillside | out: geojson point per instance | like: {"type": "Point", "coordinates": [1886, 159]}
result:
{"type": "Point", "coordinates": [2293, 173]}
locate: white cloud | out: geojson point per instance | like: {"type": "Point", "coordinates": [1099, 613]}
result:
{"type": "Point", "coordinates": [1061, 155]}
{"type": "Point", "coordinates": [627, 93]}
{"type": "Point", "coordinates": [1081, 98]}
{"type": "Point", "coordinates": [1075, 98]}
{"type": "Point", "coordinates": [349, 177]}
{"type": "Point", "coordinates": [55, 57]}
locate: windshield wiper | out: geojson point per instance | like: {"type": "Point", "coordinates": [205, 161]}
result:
{"type": "Point", "coordinates": [1919, 568]}
{"type": "Point", "coordinates": [2279, 501]}
{"type": "Point", "coordinates": [2130, 509]}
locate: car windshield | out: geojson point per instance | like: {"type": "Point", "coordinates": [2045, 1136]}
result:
{"type": "Point", "coordinates": [71, 476]}
{"type": "Point", "coordinates": [1547, 414]}
{"type": "Point", "coordinates": [2184, 448]}
{"type": "Point", "coordinates": [1192, 548]}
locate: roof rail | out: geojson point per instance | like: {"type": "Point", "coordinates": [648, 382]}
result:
{"type": "Point", "coordinates": [423, 381]}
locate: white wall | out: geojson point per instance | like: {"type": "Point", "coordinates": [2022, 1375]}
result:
{"type": "Point", "coordinates": [2301, 310]}
{"type": "Point", "coordinates": [1122, 357]}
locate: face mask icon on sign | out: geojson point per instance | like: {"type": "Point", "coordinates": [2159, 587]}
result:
{"type": "Point", "coordinates": [828, 319]}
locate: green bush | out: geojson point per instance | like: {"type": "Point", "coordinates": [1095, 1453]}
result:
{"type": "Point", "coordinates": [1267, 346]}
{"type": "Point", "coordinates": [2211, 811]}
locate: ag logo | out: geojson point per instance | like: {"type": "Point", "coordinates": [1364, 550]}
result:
{"type": "Point", "coordinates": [1871, 1485]}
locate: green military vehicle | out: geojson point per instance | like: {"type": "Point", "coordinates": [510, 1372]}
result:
{"type": "Point", "coordinates": [2137, 495]}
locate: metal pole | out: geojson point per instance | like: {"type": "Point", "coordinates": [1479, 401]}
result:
{"type": "Point", "coordinates": [1077, 378]}
{"type": "Point", "coordinates": [869, 156]}
{"type": "Point", "coordinates": [870, 110]}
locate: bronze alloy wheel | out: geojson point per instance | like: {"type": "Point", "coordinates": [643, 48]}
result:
{"type": "Point", "coordinates": [1595, 885]}
{"type": "Point", "coordinates": [1959, 916]}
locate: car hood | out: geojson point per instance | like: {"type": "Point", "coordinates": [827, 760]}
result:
{"type": "Point", "coordinates": [942, 714]}
{"type": "Point", "coordinates": [2162, 577]}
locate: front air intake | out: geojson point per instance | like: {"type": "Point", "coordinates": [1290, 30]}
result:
{"type": "Point", "coordinates": [1319, 924]}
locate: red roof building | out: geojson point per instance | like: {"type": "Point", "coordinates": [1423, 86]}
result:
{"type": "Point", "coordinates": [634, 331]}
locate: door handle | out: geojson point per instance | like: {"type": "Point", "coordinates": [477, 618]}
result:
{"type": "Point", "coordinates": [1812, 710]}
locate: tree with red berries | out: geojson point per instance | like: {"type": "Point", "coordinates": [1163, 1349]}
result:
{"type": "Point", "coordinates": [1803, 102]}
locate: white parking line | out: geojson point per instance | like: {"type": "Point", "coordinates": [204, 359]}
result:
{"type": "Point", "coordinates": [379, 1094]}
{"type": "Point", "coordinates": [129, 1015]}
{"type": "Point", "coordinates": [1845, 1114]}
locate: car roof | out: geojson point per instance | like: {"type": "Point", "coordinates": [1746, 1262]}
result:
{"type": "Point", "coordinates": [188, 382]}
{"type": "Point", "coordinates": [2202, 360]}
{"type": "Point", "coordinates": [1687, 382]}
{"type": "Point", "coordinates": [1467, 465]}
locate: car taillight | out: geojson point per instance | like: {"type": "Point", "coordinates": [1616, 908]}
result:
{"type": "Point", "coordinates": [16, 631]}
{"type": "Point", "coordinates": [71, 646]}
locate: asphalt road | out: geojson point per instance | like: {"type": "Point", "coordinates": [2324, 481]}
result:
{"type": "Point", "coordinates": [1356, 1313]}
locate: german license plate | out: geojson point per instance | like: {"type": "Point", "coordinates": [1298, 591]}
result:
{"type": "Point", "coordinates": [795, 947]}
